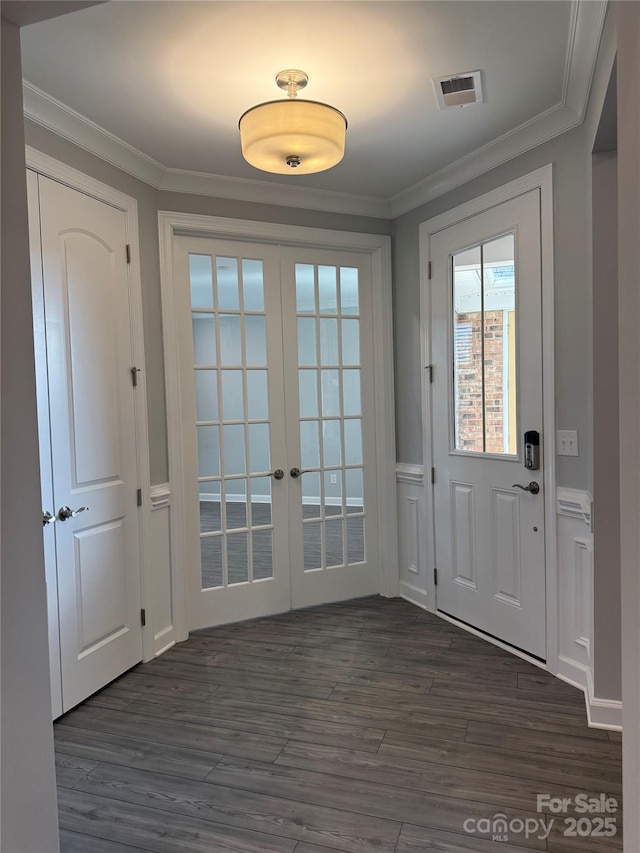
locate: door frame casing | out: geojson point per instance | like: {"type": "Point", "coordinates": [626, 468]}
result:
{"type": "Point", "coordinates": [378, 247]}
{"type": "Point", "coordinates": [542, 180]}
{"type": "Point", "coordinates": [49, 167]}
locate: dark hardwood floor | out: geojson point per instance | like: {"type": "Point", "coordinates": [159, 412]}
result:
{"type": "Point", "coordinates": [368, 726]}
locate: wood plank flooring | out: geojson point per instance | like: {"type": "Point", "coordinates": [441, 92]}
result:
{"type": "Point", "coordinates": [368, 726]}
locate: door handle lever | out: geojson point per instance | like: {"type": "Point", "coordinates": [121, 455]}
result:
{"type": "Point", "coordinates": [66, 512]}
{"type": "Point", "coordinates": [47, 518]}
{"type": "Point", "coordinates": [296, 472]}
{"type": "Point", "coordinates": [533, 487]}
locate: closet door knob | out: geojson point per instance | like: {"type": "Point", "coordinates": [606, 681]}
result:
{"type": "Point", "coordinates": [66, 512]}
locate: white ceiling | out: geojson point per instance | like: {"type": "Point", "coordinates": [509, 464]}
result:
{"type": "Point", "coordinates": [171, 79]}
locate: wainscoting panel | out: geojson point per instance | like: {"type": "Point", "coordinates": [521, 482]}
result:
{"type": "Point", "coordinates": [411, 530]}
{"type": "Point", "coordinates": [575, 604]}
{"type": "Point", "coordinates": [161, 611]}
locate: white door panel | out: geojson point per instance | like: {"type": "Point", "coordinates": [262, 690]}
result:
{"type": "Point", "coordinates": [487, 391]}
{"type": "Point", "coordinates": [92, 435]}
{"type": "Point", "coordinates": [463, 533]}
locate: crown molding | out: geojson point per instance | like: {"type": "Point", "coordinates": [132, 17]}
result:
{"type": "Point", "coordinates": [555, 121]}
{"type": "Point", "coordinates": [202, 183]}
{"type": "Point", "coordinates": [587, 24]}
{"type": "Point", "coordinates": [53, 115]}
{"type": "Point", "coordinates": [585, 33]}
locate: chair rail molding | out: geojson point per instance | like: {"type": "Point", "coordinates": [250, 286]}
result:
{"type": "Point", "coordinates": [410, 474]}
{"type": "Point", "coordinates": [160, 496]}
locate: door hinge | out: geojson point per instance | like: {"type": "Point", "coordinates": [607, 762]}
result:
{"type": "Point", "coordinates": [429, 367]}
{"type": "Point", "coordinates": [128, 250]}
{"type": "Point", "coordinates": [429, 272]}
{"type": "Point", "coordinates": [433, 475]}
{"type": "Point", "coordinates": [143, 617]}
{"type": "Point", "coordinates": [139, 496]}
{"type": "Point", "coordinates": [134, 376]}
{"type": "Point", "coordinates": [435, 577]}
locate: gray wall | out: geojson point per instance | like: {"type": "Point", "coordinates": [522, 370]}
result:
{"type": "Point", "coordinates": [601, 133]}
{"type": "Point", "coordinates": [628, 62]}
{"type": "Point", "coordinates": [570, 158]}
{"type": "Point", "coordinates": [209, 206]}
{"type": "Point", "coordinates": [606, 479]}
{"type": "Point", "coordinates": [28, 817]}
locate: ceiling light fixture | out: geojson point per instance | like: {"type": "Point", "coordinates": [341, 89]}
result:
{"type": "Point", "coordinates": [293, 135]}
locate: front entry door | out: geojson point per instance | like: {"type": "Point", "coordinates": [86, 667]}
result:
{"type": "Point", "coordinates": [486, 393]}
{"type": "Point", "coordinates": [278, 441]}
{"type": "Point", "coordinates": [87, 438]}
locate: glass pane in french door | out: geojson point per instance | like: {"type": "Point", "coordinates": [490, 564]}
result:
{"type": "Point", "coordinates": [330, 415]}
{"type": "Point", "coordinates": [232, 419]}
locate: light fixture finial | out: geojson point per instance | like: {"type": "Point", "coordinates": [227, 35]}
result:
{"type": "Point", "coordinates": [291, 81]}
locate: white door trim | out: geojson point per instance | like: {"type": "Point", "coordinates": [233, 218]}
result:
{"type": "Point", "coordinates": [541, 179]}
{"type": "Point", "coordinates": [378, 247]}
{"type": "Point", "coordinates": [64, 174]}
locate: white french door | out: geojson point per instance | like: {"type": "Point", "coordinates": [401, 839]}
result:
{"type": "Point", "coordinates": [486, 394]}
{"type": "Point", "coordinates": [278, 445]}
{"type": "Point", "coordinates": [330, 425]}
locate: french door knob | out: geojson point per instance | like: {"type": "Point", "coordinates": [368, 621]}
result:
{"type": "Point", "coordinates": [278, 474]}
{"type": "Point", "coordinates": [533, 487]}
{"type": "Point", "coordinates": [47, 518]}
{"type": "Point", "coordinates": [66, 512]}
{"type": "Point", "coordinates": [296, 472]}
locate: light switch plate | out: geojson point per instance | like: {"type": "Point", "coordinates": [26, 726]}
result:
{"type": "Point", "coordinates": [567, 442]}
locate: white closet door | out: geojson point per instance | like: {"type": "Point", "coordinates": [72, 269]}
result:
{"type": "Point", "coordinates": [92, 435]}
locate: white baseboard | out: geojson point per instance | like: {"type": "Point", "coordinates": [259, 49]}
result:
{"type": "Point", "coordinates": [601, 713]}
{"type": "Point", "coordinates": [414, 595]}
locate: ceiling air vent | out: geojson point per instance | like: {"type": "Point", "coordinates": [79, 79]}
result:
{"type": "Point", "coordinates": [458, 90]}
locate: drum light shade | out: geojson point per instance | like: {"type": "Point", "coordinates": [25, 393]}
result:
{"type": "Point", "coordinates": [293, 136]}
